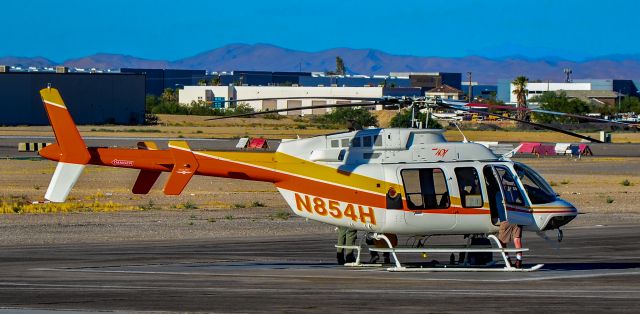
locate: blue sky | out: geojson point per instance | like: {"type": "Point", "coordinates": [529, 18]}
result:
{"type": "Point", "coordinates": [171, 30]}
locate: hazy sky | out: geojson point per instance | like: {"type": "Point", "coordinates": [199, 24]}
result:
{"type": "Point", "coordinates": [171, 30]}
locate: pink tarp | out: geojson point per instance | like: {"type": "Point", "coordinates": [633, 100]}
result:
{"type": "Point", "coordinates": [528, 148]}
{"type": "Point", "coordinates": [537, 148]}
{"type": "Point", "coordinates": [256, 143]}
{"type": "Point", "coordinates": [585, 150]}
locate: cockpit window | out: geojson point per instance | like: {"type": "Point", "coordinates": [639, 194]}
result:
{"type": "Point", "coordinates": [537, 188]}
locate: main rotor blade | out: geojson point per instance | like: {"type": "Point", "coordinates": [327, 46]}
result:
{"type": "Point", "coordinates": [527, 122]}
{"type": "Point", "coordinates": [306, 97]}
{"type": "Point", "coordinates": [353, 104]}
{"type": "Point", "coordinates": [557, 113]}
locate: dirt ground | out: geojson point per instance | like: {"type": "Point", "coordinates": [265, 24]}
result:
{"type": "Point", "coordinates": [218, 207]}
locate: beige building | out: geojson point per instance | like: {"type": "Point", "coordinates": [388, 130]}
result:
{"type": "Point", "coordinates": [445, 91]}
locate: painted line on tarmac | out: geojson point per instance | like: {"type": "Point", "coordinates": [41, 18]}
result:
{"type": "Point", "coordinates": [558, 293]}
{"type": "Point", "coordinates": [395, 276]}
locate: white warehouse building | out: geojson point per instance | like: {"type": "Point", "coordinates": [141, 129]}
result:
{"type": "Point", "coordinates": [215, 95]}
{"type": "Point", "coordinates": [536, 89]}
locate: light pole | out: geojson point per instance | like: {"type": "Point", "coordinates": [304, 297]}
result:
{"type": "Point", "coordinates": [470, 87]}
{"type": "Point", "coordinates": [620, 100]}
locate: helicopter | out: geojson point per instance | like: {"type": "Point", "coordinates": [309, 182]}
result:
{"type": "Point", "coordinates": [404, 181]}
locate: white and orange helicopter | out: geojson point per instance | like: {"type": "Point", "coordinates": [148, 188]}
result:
{"type": "Point", "coordinates": [404, 181]}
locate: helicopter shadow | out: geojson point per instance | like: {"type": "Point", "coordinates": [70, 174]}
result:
{"type": "Point", "coordinates": [590, 266]}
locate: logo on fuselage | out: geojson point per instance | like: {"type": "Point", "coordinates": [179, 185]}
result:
{"type": "Point", "coordinates": [440, 152]}
{"type": "Point", "coordinates": [122, 163]}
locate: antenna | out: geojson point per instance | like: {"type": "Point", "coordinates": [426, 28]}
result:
{"type": "Point", "coordinates": [464, 138]}
{"type": "Point", "coordinates": [567, 73]}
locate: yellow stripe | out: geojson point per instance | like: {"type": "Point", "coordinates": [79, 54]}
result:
{"type": "Point", "coordinates": [179, 145]}
{"type": "Point", "coordinates": [51, 95]}
{"type": "Point", "coordinates": [292, 165]}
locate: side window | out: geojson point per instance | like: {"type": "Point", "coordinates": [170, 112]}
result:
{"type": "Point", "coordinates": [366, 141]}
{"type": "Point", "coordinates": [355, 142]}
{"type": "Point", "coordinates": [335, 143]}
{"type": "Point", "coordinates": [344, 142]}
{"type": "Point", "coordinates": [425, 188]}
{"type": "Point", "coordinates": [469, 187]}
{"type": "Point", "coordinates": [512, 193]}
{"type": "Point", "coordinates": [377, 140]}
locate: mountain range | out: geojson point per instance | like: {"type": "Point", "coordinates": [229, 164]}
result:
{"type": "Point", "coordinates": [265, 57]}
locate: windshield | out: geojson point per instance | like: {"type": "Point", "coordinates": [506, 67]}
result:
{"type": "Point", "coordinates": [539, 191]}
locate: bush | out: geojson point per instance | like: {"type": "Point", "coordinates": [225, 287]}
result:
{"type": "Point", "coordinates": [403, 120]}
{"type": "Point", "coordinates": [257, 204]}
{"type": "Point", "coordinates": [340, 116]}
{"type": "Point", "coordinates": [168, 104]}
{"type": "Point", "coordinates": [281, 214]}
{"type": "Point", "coordinates": [273, 116]}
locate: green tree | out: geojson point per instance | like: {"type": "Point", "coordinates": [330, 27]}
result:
{"type": "Point", "coordinates": [340, 116]}
{"type": "Point", "coordinates": [403, 120]}
{"type": "Point", "coordinates": [242, 108]}
{"type": "Point", "coordinates": [521, 92]}
{"type": "Point", "coordinates": [151, 101]}
{"type": "Point", "coordinates": [629, 104]}
{"type": "Point", "coordinates": [202, 82]}
{"type": "Point", "coordinates": [169, 95]}
{"type": "Point", "coordinates": [553, 101]}
{"type": "Point", "coordinates": [340, 69]}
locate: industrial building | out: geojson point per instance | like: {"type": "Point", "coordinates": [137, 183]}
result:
{"type": "Point", "coordinates": [599, 90]}
{"type": "Point", "coordinates": [92, 98]}
{"type": "Point", "coordinates": [157, 80]}
{"type": "Point", "coordinates": [430, 80]}
{"type": "Point", "coordinates": [217, 94]}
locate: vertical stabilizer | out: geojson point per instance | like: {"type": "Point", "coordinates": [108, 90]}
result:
{"type": "Point", "coordinates": [74, 154]}
{"type": "Point", "coordinates": [63, 180]}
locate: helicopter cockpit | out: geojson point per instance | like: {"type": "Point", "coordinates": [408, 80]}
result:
{"type": "Point", "coordinates": [510, 191]}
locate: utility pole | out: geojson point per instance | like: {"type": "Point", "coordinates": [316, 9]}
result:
{"type": "Point", "coordinates": [470, 87]}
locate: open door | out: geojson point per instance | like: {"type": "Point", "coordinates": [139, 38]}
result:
{"type": "Point", "coordinates": [509, 199]}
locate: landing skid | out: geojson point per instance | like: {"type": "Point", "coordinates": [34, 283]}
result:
{"type": "Point", "coordinates": [464, 269]}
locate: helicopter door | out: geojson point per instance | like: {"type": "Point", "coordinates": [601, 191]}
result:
{"type": "Point", "coordinates": [509, 199]}
{"type": "Point", "coordinates": [427, 198]}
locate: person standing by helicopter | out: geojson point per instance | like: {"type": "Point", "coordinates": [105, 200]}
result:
{"type": "Point", "coordinates": [508, 232]}
{"type": "Point", "coordinates": [501, 194]}
{"type": "Point", "coordinates": [346, 236]}
{"type": "Point", "coordinates": [511, 232]}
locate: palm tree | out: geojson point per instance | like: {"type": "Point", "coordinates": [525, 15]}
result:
{"type": "Point", "coordinates": [521, 92]}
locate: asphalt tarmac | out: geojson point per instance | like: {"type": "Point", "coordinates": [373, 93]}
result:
{"type": "Point", "coordinates": [595, 269]}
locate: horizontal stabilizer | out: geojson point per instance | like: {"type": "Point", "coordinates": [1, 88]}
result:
{"type": "Point", "coordinates": [145, 181]}
{"type": "Point", "coordinates": [184, 167]}
{"type": "Point", "coordinates": [147, 145]}
{"type": "Point", "coordinates": [63, 180]}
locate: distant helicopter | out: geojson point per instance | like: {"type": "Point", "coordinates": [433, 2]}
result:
{"type": "Point", "coordinates": [404, 181]}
